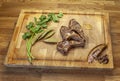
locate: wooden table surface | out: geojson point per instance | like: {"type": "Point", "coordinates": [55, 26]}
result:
{"type": "Point", "coordinates": [9, 11]}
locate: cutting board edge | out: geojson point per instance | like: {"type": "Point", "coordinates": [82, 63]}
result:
{"type": "Point", "coordinates": [8, 53]}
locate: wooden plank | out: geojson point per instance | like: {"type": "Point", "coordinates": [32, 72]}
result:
{"type": "Point", "coordinates": [8, 22]}
{"type": "Point", "coordinates": [17, 52]}
{"type": "Point", "coordinates": [16, 76]}
{"type": "Point", "coordinates": [31, 74]}
{"type": "Point", "coordinates": [70, 77]}
{"type": "Point", "coordinates": [112, 78]}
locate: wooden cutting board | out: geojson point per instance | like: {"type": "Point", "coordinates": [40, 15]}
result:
{"type": "Point", "coordinates": [46, 55]}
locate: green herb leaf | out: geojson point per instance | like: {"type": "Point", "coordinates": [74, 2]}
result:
{"type": "Point", "coordinates": [30, 25]}
{"type": "Point", "coordinates": [41, 30]}
{"type": "Point", "coordinates": [44, 21]}
{"type": "Point", "coordinates": [50, 15]}
{"type": "Point", "coordinates": [55, 18]}
{"type": "Point", "coordinates": [35, 29]}
{"type": "Point", "coordinates": [42, 17]}
{"type": "Point", "coordinates": [60, 15]}
{"type": "Point", "coordinates": [26, 35]}
{"type": "Point", "coordinates": [44, 25]}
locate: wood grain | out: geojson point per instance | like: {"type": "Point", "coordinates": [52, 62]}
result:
{"type": "Point", "coordinates": [47, 56]}
{"type": "Point", "coordinates": [9, 11]}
